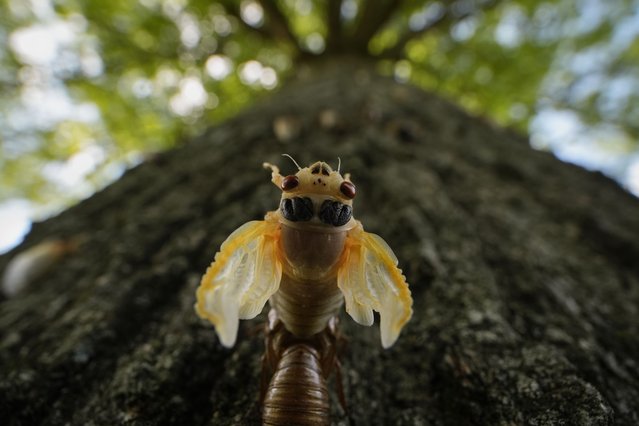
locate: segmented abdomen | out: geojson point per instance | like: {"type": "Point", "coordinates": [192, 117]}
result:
{"type": "Point", "coordinates": [297, 393]}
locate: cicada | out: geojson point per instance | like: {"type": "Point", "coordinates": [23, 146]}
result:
{"type": "Point", "coordinates": [308, 258]}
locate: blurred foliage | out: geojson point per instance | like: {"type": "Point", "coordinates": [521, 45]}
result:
{"type": "Point", "coordinates": [89, 87]}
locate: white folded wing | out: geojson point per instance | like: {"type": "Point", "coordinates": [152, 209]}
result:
{"type": "Point", "coordinates": [245, 273]}
{"type": "Point", "coordinates": [370, 280]}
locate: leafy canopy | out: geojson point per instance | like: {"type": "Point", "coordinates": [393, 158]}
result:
{"type": "Point", "coordinates": [91, 86]}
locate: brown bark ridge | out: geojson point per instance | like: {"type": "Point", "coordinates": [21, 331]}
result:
{"type": "Point", "coordinates": [523, 269]}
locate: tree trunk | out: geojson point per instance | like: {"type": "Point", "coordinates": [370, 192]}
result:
{"type": "Point", "coordinates": [523, 270]}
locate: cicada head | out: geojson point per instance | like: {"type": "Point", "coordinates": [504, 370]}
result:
{"type": "Point", "coordinates": [318, 179]}
{"type": "Point", "coordinates": [316, 190]}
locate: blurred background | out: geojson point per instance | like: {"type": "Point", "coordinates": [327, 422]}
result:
{"type": "Point", "coordinates": [91, 88]}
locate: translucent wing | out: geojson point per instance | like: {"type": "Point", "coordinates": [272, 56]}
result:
{"type": "Point", "coordinates": [245, 273]}
{"type": "Point", "coordinates": [370, 280]}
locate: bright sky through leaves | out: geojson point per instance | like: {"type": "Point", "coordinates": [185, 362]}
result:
{"type": "Point", "coordinates": [91, 88]}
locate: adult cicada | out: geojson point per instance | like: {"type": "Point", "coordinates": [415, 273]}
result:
{"type": "Point", "coordinates": [307, 259]}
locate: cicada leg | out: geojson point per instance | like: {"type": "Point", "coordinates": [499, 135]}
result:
{"type": "Point", "coordinates": [330, 344]}
{"type": "Point", "coordinates": [273, 333]}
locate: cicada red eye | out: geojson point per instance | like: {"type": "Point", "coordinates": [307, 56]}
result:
{"type": "Point", "coordinates": [348, 189]}
{"type": "Point", "coordinates": [290, 182]}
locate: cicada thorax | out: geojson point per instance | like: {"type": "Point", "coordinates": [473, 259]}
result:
{"type": "Point", "coordinates": [311, 252]}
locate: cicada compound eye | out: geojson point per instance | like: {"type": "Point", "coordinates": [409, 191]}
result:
{"type": "Point", "coordinates": [348, 189]}
{"type": "Point", "coordinates": [290, 182]}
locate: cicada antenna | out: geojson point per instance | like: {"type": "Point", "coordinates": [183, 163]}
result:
{"type": "Point", "coordinates": [293, 160]}
{"type": "Point", "coordinates": [339, 164]}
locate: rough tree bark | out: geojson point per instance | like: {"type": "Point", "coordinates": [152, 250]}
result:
{"type": "Point", "coordinates": [523, 270]}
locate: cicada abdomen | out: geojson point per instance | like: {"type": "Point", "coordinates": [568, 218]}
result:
{"type": "Point", "coordinates": [297, 393]}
